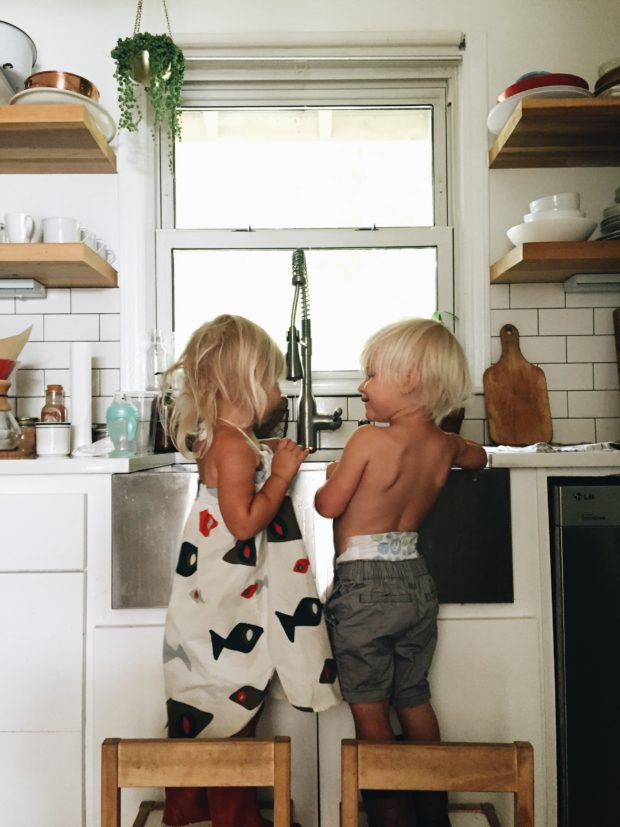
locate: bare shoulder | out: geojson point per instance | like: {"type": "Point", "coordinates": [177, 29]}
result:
{"type": "Point", "coordinates": [364, 441]}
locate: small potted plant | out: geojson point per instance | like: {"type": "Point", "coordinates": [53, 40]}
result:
{"type": "Point", "coordinates": [157, 63]}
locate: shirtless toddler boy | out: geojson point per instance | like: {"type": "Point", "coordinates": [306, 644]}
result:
{"type": "Point", "coordinates": [383, 610]}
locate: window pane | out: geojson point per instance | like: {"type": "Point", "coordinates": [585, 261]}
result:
{"type": "Point", "coordinates": [310, 167]}
{"type": "Point", "coordinates": [352, 294]}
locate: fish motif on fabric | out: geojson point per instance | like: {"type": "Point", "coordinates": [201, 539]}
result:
{"type": "Point", "coordinates": [329, 673]}
{"type": "Point", "coordinates": [196, 595]}
{"type": "Point", "coordinates": [248, 697]}
{"type": "Point", "coordinates": [302, 565]}
{"type": "Point", "coordinates": [188, 560]}
{"type": "Point", "coordinates": [185, 721]}
{"type": "Point", "coordinates": [243, 638]}
{"type": "Point", "coordinates": [242, 553]}
{"type": "Point", "coordinates": [254, 588]}
{"type": "Point", "coordinates": [206, 522]}
{"type": "Point", "coordinates": [284, 526]}
{"type": "Point", "coordinates": [170, 654]}
{"type": "Point", "coordinates": [308, 613]}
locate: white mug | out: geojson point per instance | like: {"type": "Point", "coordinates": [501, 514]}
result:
{"type": "Point", "coordinates": [18, 227]}
{"type": "Point", "coordinates": [109, 255]}
{"type": "Point", "coordinates": [60, 230]}
{"type": "Point", "coordinates": [89, 238]}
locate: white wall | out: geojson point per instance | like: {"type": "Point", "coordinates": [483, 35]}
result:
{"type": "Point", "coordinates": [560, 35]}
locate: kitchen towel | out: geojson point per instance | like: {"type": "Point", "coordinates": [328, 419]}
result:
{"type": "Point", "coordinates": [81, 395]}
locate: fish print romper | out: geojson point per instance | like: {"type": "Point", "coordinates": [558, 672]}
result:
{"type": "Point", "coordinates": [239, 611]}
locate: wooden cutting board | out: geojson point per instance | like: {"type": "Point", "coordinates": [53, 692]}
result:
{"type": "Point", "coordinates": [515, 394]}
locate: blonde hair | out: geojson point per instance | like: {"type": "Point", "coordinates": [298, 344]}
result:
{"type": "Point", "coordinates": [425, 353]}
{"type": "Point", "coordinates": [228, 359]}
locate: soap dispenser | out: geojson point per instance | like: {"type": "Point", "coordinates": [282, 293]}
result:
{"type": "Point", "coordinates": [122, 421]}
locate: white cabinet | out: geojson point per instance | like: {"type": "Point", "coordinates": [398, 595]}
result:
{"type": "Point", "coordinates": [42, 620]}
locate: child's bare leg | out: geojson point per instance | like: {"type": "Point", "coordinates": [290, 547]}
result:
{"type": "Point", "coordinates": [419, 723]}
{"type": "Point", "coordinates": [384, 808]}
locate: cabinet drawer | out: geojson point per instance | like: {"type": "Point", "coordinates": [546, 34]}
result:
{"type": "Point", "coordinates": [42, 532]}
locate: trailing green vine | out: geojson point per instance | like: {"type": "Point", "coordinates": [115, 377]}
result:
{"type": "Point", "coordinates": [165, 64]}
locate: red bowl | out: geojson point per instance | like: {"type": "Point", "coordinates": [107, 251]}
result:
{"type": "Point", "coordinates": [537, 81]}
{"type": "Point", "coordinates": [6, 366]}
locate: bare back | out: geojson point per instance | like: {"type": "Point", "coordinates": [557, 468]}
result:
{"type": "Point", "coordinates": [389, 478]}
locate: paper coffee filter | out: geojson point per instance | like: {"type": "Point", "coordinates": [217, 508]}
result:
{"type": "Point", "coordinates": [12, 346]}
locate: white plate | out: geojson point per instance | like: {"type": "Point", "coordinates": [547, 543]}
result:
{"type": "Point", "coordinates": [104, 120]}
{"type": "Point", "coordinates": [502, 111]}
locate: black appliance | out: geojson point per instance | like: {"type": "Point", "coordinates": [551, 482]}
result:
{"type": "Point", "coordinates": [585, 559]}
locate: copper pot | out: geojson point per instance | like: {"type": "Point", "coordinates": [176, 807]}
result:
{"type": "Point", "coordinates": [63, 80]}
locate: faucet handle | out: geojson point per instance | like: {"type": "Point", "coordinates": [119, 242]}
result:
{"type": "Point", "coordinates": [337, 415]}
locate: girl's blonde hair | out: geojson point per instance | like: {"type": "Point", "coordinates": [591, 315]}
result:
{"type": "Point", "coordinates": [228, 359]}
{"type": "Point", "coordinates": [425, 355]}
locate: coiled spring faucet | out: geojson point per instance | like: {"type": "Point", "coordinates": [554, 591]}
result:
{"type": "Point", "coordinates": [309, 422]}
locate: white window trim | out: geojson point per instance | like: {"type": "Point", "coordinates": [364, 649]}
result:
{"type": "Point", "coordinates": [139, 214]}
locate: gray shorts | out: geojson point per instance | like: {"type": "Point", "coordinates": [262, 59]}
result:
{"type": "Point", "coordinates": [382, 620]}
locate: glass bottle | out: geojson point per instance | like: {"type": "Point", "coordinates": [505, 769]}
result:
{"type": "Point", "coordinates": [9, 429]}
{"type": "Point", "coordinates": [54, 409]}
{"type": "Point", "coordinates": [157, 360]}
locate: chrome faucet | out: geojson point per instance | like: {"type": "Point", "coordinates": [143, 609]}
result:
{"type": "Point", "coordinates": [309, 422]}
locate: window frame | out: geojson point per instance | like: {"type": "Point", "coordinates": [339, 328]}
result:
{"type": "Point", "coordinates": [142, 190]}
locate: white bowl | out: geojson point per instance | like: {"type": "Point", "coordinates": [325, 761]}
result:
{"type": "Point", "coordinates": [557, 201]}
{"type": "Point", "coordinates": [545, 215]}
{"type": "Point", "coordinates": [18, 53]}
{"type": "Point", "coordinates": [562, 229]}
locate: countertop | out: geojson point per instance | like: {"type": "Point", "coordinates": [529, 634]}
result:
{"type": "Point", "coordinates": [109, 465]}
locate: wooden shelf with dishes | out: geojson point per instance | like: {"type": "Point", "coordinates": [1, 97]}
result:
{"type": "Point", "coordinates": [56, 265]}
{"type": "Point", "coordinates": [52, 138]}
{"type": "Point", "coordinates": [555, 261]}
{"type": "Point", "coordinates": [559, 132]}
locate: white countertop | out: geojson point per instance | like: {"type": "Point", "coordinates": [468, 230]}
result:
{"type": "Point", "coordinates": [110, 465]}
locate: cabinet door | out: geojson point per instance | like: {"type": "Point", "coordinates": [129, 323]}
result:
{"type": "Point", "coordinates": [41, 774]}
{"type": "Point", "coordinates": [41, 616]}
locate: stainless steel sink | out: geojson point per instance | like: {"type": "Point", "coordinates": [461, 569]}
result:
{"type": "Point", "coordinates": [148, 513]}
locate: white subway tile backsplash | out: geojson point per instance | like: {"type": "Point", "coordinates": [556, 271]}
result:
{"type": "Point", "coordinates": [569, 376]}
{"type": "Point", "coordinates": [590, 349]}
{"type": "Point", "coordinates": [526, 321]}
{"type": "Point", "coordinates": [593, 299]}
{"type": "Point", "coordinates": [100, 406]}
{"type": "Point", "coordinates": [593, 403]}
{"type": "Point", "coordinates": [29, 406]}
{"type": "Point", "coordinates": [558, 404]}
{"type": "Point", "coordinates": [10, 325]}
{"type": "Point", "coordinates": [45, 355]}
{"type": "Point", "coordinates": [474, 407]}
{"type": "Point", "coordinates": [95, 300]}
{"type": "Point", "coordinates": [59, 377]}
{"type": "Point", "coordinates": [608, 430]}
{"type": "Point", "coordinates": [106, 354]}
{"type": "Point", "coordinates": [565, 322]}
{"type": "Point", "coordinates": [28, 383]}
{"type": "Point", "coordinates": [537, 295]}
{"type": "Point", "coordinates": [499, 296]}
{"type": "Point", "coordinates": [109, 381]}
{"type": "Point", "coordinates": [337, 439]}
{"type": "Point", "coordinates": [7, 306]}
{"type": "Point", "coordinates": [573, 431]}
{"type": "Point", "coordinates": [603, 320]}
{"type": "Point", "coordinates": [56, 301]}
{"type": "Point", "coordinates": [110, 327]}
{"type": "Point", "coordinates": [473, 429]}
{"type": "Point", "coordinates": [75, 327]}
{"type": "Point", "coordinates": [605, 376]}
{"type": "Point", "coordinates": [356, 408]}
{"type": "Point", "coordinates": [536, 349]}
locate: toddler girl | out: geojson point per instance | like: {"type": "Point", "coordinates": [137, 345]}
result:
{"type": "Point", "coordinates": [244, 602]}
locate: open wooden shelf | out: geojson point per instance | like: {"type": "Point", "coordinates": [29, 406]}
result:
{"type": "Point", "coordinates": [56, 265]}
{"type": "Point", "coordinates": [553, 261]}
{"type": "Point", "coordinates": [52, 138]}
{"type": "Point", "coordinates": [559, 132]}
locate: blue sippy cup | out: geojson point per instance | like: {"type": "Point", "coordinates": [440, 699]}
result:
{"type": "Point", "coordinates": [122, 421]}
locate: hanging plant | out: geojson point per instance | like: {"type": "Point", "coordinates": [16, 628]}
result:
{"type": "Point", "coordinates": [155, 62]}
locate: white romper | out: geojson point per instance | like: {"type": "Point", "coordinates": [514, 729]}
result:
{"type": "Point", "coordinates": [239, 611]}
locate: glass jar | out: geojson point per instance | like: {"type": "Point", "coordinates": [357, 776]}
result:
{"type": "Point", "coordinates": [54, 409]}
{"type": "Point", "coordinates": [28, 440]}
{"type": "Point", "coordinates": [9, 429]}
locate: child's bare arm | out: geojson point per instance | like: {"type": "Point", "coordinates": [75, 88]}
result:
{"type": "Point", "coordinates": [343, 477]}
{"type": "Point", "coordinates": [245, 510]}
{"type": "Point", "coordinates": [468, 454]}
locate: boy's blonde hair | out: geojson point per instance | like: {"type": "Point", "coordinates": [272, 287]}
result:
{"type": "Point", "coordinates": [228, 359]}
{"type": "Point", "coordinates": [421, 354]}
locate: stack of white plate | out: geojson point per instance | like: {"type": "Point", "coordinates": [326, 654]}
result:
{"type": "Point", "coordinates": [610, 223]}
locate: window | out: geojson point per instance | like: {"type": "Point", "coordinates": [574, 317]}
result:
{"type": "Point", "coordinates": [344, 156]}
